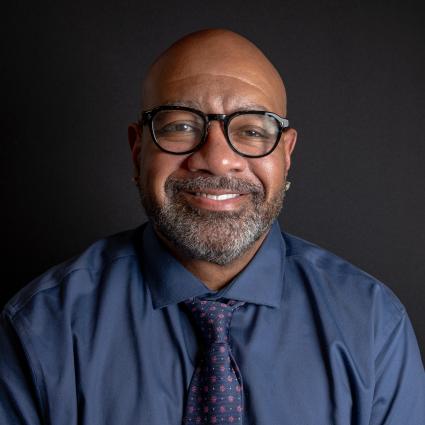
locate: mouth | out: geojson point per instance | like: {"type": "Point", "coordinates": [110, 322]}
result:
{"type": "Point", "coordinates": [214, 193]}
{"type": "Point", "coordinates": [215, 199]}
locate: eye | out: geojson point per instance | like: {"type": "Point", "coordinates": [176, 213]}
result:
{"type": "Point", "coordinates": [178, 127]}
{"type": "Point", "coordinates": [252, 132]}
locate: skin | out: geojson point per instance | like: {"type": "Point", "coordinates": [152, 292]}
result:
{"type": "Point", "coordinates": [215, 71]}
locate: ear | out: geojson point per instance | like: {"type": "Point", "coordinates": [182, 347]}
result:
{"type": "Point", "coordinates": [134, 140]}
{"type": "Point", "coordinates": [289, 141]}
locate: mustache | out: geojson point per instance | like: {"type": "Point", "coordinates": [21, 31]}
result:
{"type": "Point", "coordinates": [200, 183]}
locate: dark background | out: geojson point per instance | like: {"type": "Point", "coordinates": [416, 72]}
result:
{"type": "Point", "coordinates": [355, 75]}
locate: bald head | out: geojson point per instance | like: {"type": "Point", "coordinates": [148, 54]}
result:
{"type": "Point", "coordinates": [206, 58]}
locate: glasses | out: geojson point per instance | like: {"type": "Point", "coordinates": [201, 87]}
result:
{"type": "Point", "coordinates": [181, 130]}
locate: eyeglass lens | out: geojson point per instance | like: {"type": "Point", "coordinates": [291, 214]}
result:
{"type": "Point", "coordinates": [180, 131]}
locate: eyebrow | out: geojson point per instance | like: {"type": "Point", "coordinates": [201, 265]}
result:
{"type": "Point", "coordinates": [187, 103]}
{"type": "Point", "coordinates": [243, 107]}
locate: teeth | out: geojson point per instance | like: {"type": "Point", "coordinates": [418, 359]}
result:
{"type": "Point", "coordinates": [218, 197]}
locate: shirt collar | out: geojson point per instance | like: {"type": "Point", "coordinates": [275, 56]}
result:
{"type": "Point", "coordinates": [261, 282]}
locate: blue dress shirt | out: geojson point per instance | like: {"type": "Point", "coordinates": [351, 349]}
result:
{"type": "Point", "coordinates": [104, 339]}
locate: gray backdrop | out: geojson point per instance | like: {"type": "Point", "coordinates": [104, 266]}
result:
{"type": "Point", "coordinates": [355, 75]}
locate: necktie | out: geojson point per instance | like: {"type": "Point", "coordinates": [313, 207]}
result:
{"type": "Point", "coordinates": [215, 393]}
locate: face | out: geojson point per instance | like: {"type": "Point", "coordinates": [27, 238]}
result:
{"type": "Point", "coordinates": [212, 204]}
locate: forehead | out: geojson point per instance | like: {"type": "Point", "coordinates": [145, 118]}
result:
{"type": "Point", "coordinates": [215, 93]}
{"type": "Point", "coordinates": [219, 74]}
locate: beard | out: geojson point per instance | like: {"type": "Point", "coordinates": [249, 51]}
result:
{"type": "Point", "coordinates": [215, 236]}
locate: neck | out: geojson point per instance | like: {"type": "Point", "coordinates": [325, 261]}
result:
{"type": "Point", "coordinates": [214, 276]}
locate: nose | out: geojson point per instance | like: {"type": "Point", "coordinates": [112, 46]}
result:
{"type": "Point", "coordinates": [215, 156]}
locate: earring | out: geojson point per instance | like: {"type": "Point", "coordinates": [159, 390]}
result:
{"type": "Point", "coordinates": [287, 185]}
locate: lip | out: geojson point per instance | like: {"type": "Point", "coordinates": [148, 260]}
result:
{"type": "Point", "coordinates": [215, 191]}
{"type": "Point", "coordinates": [230, 204]}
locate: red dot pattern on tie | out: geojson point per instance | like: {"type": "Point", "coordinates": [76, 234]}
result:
{"type": "Point", "coordinates": [215, 393]}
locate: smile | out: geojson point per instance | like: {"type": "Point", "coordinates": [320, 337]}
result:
{"type": "Point", "coordinates": [222, 197]}
{"type": "Point", "coordinates": [216, 200]}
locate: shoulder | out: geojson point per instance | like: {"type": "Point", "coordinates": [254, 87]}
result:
{"type": "Point", "coordinates": [340, 291]}
{"type": "Point", "coordinates": [328, 269]}
{"type": "Point", "coordinates": [77, 277]}
{"type": "Point", "coordinates": [70, 310]}
{"type": "Point", "coordinates": [309, 254]}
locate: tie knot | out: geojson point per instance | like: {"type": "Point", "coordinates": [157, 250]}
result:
{"type": "Point", "coordinates": [212, 318]}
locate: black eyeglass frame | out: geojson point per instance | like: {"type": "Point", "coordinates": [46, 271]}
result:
{"type": "Point", "coordinates": [148, 116]}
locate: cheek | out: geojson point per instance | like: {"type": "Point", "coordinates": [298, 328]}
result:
{"type": "Point", "coordinates": [270, 170]}
{"type": "Point", "coordinates": [155, 168]}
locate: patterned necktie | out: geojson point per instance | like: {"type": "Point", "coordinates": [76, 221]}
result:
{"type": "Point", "coordinates": [215, 394]}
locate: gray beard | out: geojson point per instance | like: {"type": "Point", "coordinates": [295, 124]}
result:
{"type": "Point", "coordinates": [215, 236]}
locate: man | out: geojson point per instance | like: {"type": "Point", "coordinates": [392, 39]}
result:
{"type": "Point", "coordinates": [208, 313]}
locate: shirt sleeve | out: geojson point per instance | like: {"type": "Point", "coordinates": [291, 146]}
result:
{"type": "Point", "coordinates": [19, 401]}
{"type": "Point", "coordinates": [399, 396]}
